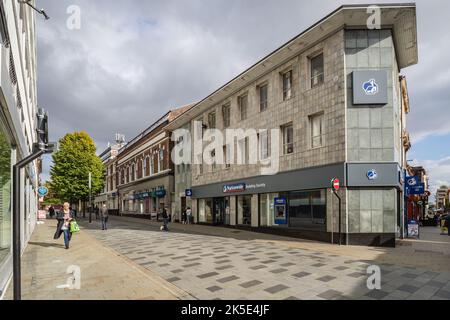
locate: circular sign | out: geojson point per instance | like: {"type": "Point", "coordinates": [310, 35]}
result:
{"type": "Point", "coordinates": [372, 174]}
{"type": "Point", "coordinates": [336, 184]}
{"type": "Point", "coordinates": [42, 191]}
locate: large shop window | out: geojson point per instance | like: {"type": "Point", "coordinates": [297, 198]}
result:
{"type": "Point", "coordinates": [244, 210]}
{"type": "Point", "coordinates": [267, 209]}
{"type": "Point", "coordinates": [205, 210]}
{"type": "Point", "coordinates": [5, 196]}
{"type": "Point", "coordinates": [307, 209]}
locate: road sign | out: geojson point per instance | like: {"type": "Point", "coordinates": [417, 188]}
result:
{"type": "Point", "coordinates": [335, 184]}
{"type": "Point", "coordinates": [42, 191]}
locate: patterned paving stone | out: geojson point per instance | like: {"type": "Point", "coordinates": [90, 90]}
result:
{"type": "Point", "coordinates": [376, 294]}
{"type": "Point", "coordinates": [268, 261]}
{"type": "Point", "coordinates": [326, 278]}
{"type": "Point", "coordinates": [443, 294]}
{"type": "Point", "coordinates": [356, 275]}
{"type": "Point", "coordinates": [214, 288]}
{"type": "Point", "coordinates": [301, 274]}
{"type": "Point", "coordinates": [227, 279]}
{"type": "Point", "coordinates": [407, 288]}
{"type": "Point", "coordinates": [276, 289]}
{"type": "Point", "coordinates": [207, 275]}
{"type": "Point", "coordinates": [280, 270]}
{"type": "Point", "coordinates": [318, 265]}
{"type": "Point", "coordinates": [250, 284]}
{"type": "Point", "coordinates": [222, 261]}
{"type": "Point", "coordinates": [258, 267]}
{"type": "Point", "coordinates": [330, 294]}
{"type": "Point", "coordinates": [341, 268]}
{"type": "Point", "coordinates": [189, 265]}
{"type": "Point", "coordinates": [177, 271]}
{"type": "Point", "coordinates": [173, 279]}
{"type": "Point", "coordinates": [289, 264]}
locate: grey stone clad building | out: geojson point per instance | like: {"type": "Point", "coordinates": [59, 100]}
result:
{"type": "Point", "coordinates": [335, 94]}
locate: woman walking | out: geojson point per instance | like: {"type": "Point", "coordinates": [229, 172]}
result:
{"type": "Point", "coordinates": [64, 217]}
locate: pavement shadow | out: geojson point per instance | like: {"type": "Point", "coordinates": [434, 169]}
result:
{"type": "Point", "coordinates": [46, 244]}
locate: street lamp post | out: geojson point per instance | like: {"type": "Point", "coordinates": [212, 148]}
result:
{"type": "Point", "coordinates": [90, 195]}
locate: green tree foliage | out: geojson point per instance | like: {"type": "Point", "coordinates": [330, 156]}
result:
{"type": "Point", "coordinates": [71, 166]}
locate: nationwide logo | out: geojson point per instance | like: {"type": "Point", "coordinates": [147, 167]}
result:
{"type": "Point", "coordinates": [412, 182]}
{"type": "Point", "coordinates": [372, 174]}
{"type": "Point", "coordinates": [240, 187]}
{"type": "Point", "coordinates": [370, 87]}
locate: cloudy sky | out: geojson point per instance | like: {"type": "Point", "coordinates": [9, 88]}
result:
{"type": "Point", "coordinates": [133, 60]}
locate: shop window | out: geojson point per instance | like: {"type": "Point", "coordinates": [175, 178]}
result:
{"type": "Point", "coordinates": [287, 85]}
{"type": "Point", "coordinates": [5, 196]}
{"type": "Point", "coordinates": [263, 97]}
{"type": "Point", "coordinates": [288, 138]}
{"type": "Point", "coordinates": [317, 70]}
{"type": "Point", "coordinates": [316, 130]}
{"type": "Point", "coordinates": [307, 209]}
{"type": "Point", "coordinates": [267, 209]}
{"type": "Point", "coordinates": [243, 106]}
{"type": "Point", "coordinates": [244, 210]}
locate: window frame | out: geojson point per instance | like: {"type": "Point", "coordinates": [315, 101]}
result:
{"type": "Point", "coordinates": [226, 109]}
{"type": "Point", "coordinates": [263, 105]}
{"type": "Point", "coordinates": [320, 76]}
{"type": "Point", "coordinates": [285, 138]}
{"type": "Point", "coordinates": [312, 137]}
{"type": "Point", "coordinates": [241, 98]}
{"type": "Point", "coordinates": [285, 90]}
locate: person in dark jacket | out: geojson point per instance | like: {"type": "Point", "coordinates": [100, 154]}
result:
{"type": "Point", "coordinates": [51, 212]}
{"type": "Point", "coordinates": [63, 227]}
{"type": "Point", "coordinates": [104, 215]}
{"type": "Point", "coordinates": [165, 217]}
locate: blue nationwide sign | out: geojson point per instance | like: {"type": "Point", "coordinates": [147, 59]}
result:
{"type": "Point", "coordinates": [230, 188]}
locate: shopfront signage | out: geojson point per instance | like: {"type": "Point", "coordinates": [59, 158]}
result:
{"type": "Point", "coordinates": [280, 205]}
{"type": "Point", "coordinates": [231, 188]}
{"type": "Point", "coordinates": [370, 87]}
{"type": "Point", "coordinates": [372, 174]}
{"type": "Point", "coordinates": [412, 181]}
{"type": "Point", "coordinates": [42, 191]}
{"type": "Point", "coordinates": [416, 190]}
{"type": "Point", "coordinates": [160, 193]}
{"type": "Point", "coordinates": [188, 192]}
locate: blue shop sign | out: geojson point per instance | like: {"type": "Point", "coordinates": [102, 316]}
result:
{"type": "Point", "coordinates": [160, 193]}
{"type": "Point", "coordinates": [280, 208]}
{"type": "Point", "coordinates": [238, 187]}
{"type": "Point", "coordinates": [43, 191]}
{"type": "Point", "coordinates": [416, 190]}
{"type": "Point", "coordinates": [188, 192]}
{"type": "Point", "coordinates": [412, 181]}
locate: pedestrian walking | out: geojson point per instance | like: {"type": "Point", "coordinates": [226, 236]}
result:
{"type": "Point", "coordinates": [104, 214]}
{"type": "Point", "coordinates": [51, 212]}
{"type": "Point", "coordinates": [97, 211]}
{"type": "Point", "coordinates": [64, 217]}
{"type": "Point", "coordinates": [447, 223]}
{"type": "Point", "coordinates": [189, 215]}
{"type": "Point", "coordinates": [165, 217]}
{"type": "Point", "coordinates": [183, 217]}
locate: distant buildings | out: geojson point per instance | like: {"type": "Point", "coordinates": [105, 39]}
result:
{"type": "Point", "coordinates": [442, 197]}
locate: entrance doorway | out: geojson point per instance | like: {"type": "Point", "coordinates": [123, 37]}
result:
{"type": "Point", "coordinates": [218, 211]}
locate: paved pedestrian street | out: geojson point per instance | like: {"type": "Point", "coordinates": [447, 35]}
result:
{"type": "Point", "coordinates": [247, 265]}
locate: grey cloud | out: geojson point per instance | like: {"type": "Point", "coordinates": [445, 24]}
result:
{"type": "Point", "coordinates": [133, 60]}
